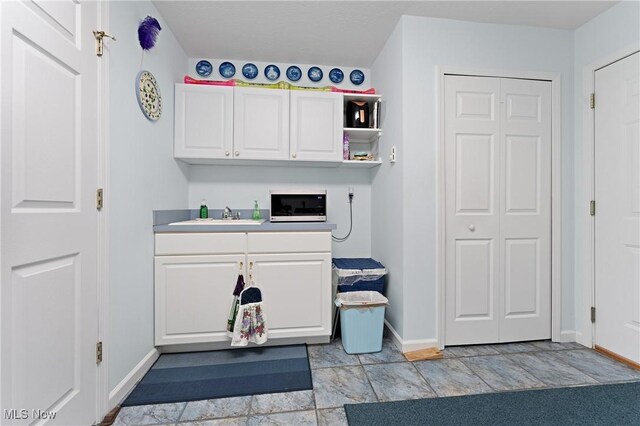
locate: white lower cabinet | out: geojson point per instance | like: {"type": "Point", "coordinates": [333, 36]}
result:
{"type": "Point", "coordinates": [193, 286]}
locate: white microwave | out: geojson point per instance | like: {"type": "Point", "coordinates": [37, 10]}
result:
{"type": "Point", "coordinates": [298, 206]}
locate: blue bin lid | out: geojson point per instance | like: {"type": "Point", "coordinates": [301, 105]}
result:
{"type": "Point", "coordinates": [356, 263]}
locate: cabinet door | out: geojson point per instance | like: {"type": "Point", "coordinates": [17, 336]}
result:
{"type": "Point", "coordinates": [193, 295]}
{"type": "Point", "coordinates": [203, 121]}
{"type": "Point", "coordinates": [316, 126]}
{"type": "Point", "coordinates": [261, 124]}
{"type": "Point", "coordinates": [296, 290]}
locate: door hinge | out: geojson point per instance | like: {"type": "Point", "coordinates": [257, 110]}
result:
{"type": "Point", "coordinates": [593, 314]}
{"type": "Point", "coordinates": [592, 208]}
{"type": "Point", "coordinates": [100, 35]}
{"type": "Point", "coordinates": [99, 198]}
{"type": "Point", "coordinates": [592, 101]}
{"type": "Point", "coordinates": [98, 352]}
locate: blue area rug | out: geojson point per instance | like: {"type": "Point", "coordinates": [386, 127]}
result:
{"type": "Point", "coordinates": [617, 404]}
{"type": "Point", "coordinates": [221, 374]}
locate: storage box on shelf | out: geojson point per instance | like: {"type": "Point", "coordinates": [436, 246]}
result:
{"type": "Point", "coordinates": [364, 139]}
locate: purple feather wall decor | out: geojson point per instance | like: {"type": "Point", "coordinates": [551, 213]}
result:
{"type": "Point", "coordinates": [148, 32]}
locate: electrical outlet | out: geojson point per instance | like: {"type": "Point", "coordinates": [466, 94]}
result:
{"type": "Point", "coordinates": [392, 156]}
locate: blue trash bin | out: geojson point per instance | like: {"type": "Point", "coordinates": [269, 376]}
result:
{"type": "Point", "coordinates": [361, 321]}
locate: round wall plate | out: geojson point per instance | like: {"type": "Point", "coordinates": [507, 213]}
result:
{"type": "Point", "coordinates": [227, 69]}
{"type": "Point", "coordinates": [336, 75]}
{"type": "Point", "coordinates": [356, 77]}
{"type": "Point", "coordinates": [314, 74]}
{"type": "Point", "coordinates": [250, 71]}
{"type": "Point", "coordinates": [204, 68]}
{"type": "Point", "coordinates": [272, 72]}
{"type": "Point", "coordinates": [148, 95]}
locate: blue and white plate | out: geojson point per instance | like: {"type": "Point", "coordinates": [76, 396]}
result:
{"type": "Point", "coordinates": [272, 72]}
{"type": "Point", "coordinates": [227, 69]}
{"type": "Point", "coordinates": [314, 74]}
{"type": "Point", "coordinates": [356, 77]}
{"type": "Point", "coordinates": [294, 73]}
{"type": "Point", "coordinates": [250, 71]}
{"type": "Point", "coordinates": [336, 75]}
{"type": "Point", "coordinates": [204, 68]}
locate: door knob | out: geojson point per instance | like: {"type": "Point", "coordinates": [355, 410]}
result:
{"type": "Point", "coordinates": [226, 153]}
{"type": "Point", "coordinates": [293, 155]}
{"type": "Point", "coordinates": [472, 227]}
{"type": "Point", "coordinates": [237, 153]}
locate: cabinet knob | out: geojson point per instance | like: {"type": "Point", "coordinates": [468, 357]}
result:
{"type": "Point", "coordinates": [472, 227]}
{"type": "Point", "coordinates": [237, 153]}
{"type": "Point", "coordinates": [293, 155]}
{"type": "Point", "coordinates": [226, 153]}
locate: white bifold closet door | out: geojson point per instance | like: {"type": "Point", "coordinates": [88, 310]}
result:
{"type": "Point", "coordinates": [498, 209]}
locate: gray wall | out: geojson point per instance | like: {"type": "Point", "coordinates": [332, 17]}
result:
{"type": "Point", "coordinates": [143, 177]}
{"type": "Point", "coordinates": [387, 209]}
{"type": "Point", "coordinates": [425, 44]}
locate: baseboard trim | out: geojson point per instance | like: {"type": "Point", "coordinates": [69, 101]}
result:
{"type": "Point", "coordinates": [122, 389]}
{"type": "Point", "coordinates": [409, 345]}
{"type": "Point", "coordinates": [567, 336]}
{"type": "Point", "coordinates": [580, 338]}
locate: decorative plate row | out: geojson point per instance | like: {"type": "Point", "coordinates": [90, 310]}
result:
{"type": "Point", "coordinates": [272, 72]}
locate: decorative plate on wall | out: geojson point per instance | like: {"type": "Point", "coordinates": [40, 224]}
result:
{"type": "Point", "coordinates": [148, 94]}
{"type": "Point", "coordinates": [294, 73]}
{"type": "Point", "coordinates": [314, 74]}
{"type": "Point", "coordinates": [336, 75]}
{"type": "Point", "coordinates": [204, 68]}
{"type": "Point", "coordinates": [227, 69]}
{"type": "Point", "coordinates": [272, 72]}
{"type": "Point", "coordinates": [250, 71]}
{"type": "Point", "coordinates": [357, 77]}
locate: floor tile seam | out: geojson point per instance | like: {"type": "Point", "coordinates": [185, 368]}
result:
{"type": "Point", "coordinates": [375, 394]}
{"type": "Point", "coordinates": [183, 422]}
{"type": "Point", "coordinates": [337, 366]}
{"type": "Point", "coordinates": [579, 369]}
{"type": "Point", "coordinates": [478, 376]}
{"type": "Point", "coordinates": [205, 419]}
{"type": "Point", "coordinates": [424, 379]}
{"type": "Point", "coordinates": [566, 364]}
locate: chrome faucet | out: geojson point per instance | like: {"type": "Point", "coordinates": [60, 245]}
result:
{"type": "Point", "coordinates": [227, 214]}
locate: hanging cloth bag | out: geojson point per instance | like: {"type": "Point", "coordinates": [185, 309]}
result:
{"type": "Point", "coordinates": [250, 325]}
{"type": "Point", "coordinates": [233, 313]}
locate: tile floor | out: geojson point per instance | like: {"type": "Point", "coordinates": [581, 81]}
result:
{"type": "Point", "coordinates": [339, 378]}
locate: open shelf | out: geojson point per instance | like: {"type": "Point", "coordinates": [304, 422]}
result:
{"type": "Point", "coordinates": [361, 133]}
{"type": "Point", "coordinates": [361, 164]}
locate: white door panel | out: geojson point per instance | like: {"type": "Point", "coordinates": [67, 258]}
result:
{"type": "Point", "coordinates": [48, 289]}
{"type": "Point", "coordinates": [316, 126]}
{"type": "Point", "coordinates": [498, 209]}
{"type": "Point", "coordinates": [525, 218]}
{"type": "Point", "coordinates": [617, 220]}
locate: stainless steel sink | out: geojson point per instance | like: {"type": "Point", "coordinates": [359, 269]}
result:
{"type": "Point", "coordinates": [212, 221]}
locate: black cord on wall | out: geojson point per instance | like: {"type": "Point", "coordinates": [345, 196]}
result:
{"type": "Point", "coordinates": [342, 239]}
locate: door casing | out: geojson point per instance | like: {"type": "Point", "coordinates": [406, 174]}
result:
{"type": "Point", "coordinates": [585, 329]}
{"type": "Point", "coordinates": [556, 195]}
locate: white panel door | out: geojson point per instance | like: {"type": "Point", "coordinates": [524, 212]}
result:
{"type": "Point", "coordinates": [617, 220]}
{"type": "Point", "coordinates": [203, 121]}
{"type": "Point", "coordinates": [48, 216]}
{"type": "Point", "coordinates": [316, 126]}
{"type": "Point", "coordinates": [525, 210]}
{"type": "Point", "coordinates": [260, 123]}
{"type": "Point", "coordinates": [472, 132]}
{"type": "Point", "coordinates": [498, 210]}
{"type": "Point", "coordinates": [296, 289]}
{"type": "Point", "coordinates": [193, 295]}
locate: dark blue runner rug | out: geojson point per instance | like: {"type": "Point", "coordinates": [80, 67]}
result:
{"type": "Point", "coordinates": [221, 374]}
{"type": "Point", "coordinates": [617, 404]}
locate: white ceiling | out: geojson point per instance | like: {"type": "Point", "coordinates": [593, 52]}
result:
{"type": "Point", "coordinates": [348, 33]}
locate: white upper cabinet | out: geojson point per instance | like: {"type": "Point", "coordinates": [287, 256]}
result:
{"type": "Point", "coordinates": [203, 121]}
{"type": "Point", "coordinates": [261, 123]}
{"type": "Point", "coordinates": [316, 126]}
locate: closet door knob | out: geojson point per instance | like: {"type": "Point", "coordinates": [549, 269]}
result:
{"type": "Point", "coordinates": [293, 155]}
{"type": "Point", "coordinates": [472, 227]}
{"type": "Point", "coordinates": [237, 153]}
{"type": "Point", "coordinates": [226, 153]}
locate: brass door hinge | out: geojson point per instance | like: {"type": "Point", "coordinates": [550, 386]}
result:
{"type": "Point", "coordinates": [99, 198]}
{"type": "Point", "coordinates": [592, 208]}
{"type": "Point", "coordinates": [593, 314]}
{"type": "Point", "coordinates": [592, 101]}
{"type": "Point", "coordinates": [100, 35]}
{"type": "Point", "coordinates": [98, 352]}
